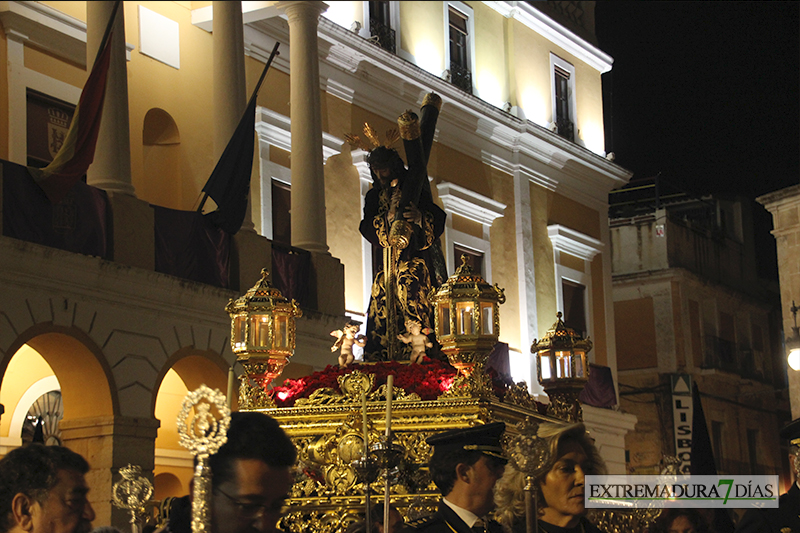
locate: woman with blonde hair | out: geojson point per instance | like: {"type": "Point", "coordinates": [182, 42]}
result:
{"type": "Point", "coordinates": [560, 488]}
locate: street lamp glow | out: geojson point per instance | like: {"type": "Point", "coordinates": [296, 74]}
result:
{"type": "Point", "coordinates": [794, 359]}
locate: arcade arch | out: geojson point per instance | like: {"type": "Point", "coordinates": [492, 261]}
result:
{"type": "Point", "coordinates": [48, 361]}
{"type": "Point", "coordinates": [185, 371]}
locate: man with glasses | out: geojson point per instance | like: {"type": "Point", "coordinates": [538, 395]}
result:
{"type": "Point", "coordinates": [251, 478]}
{"type": "Point", "coordinates": [465, 466]}
{"type": "Point", "coordinates": [43, 490]}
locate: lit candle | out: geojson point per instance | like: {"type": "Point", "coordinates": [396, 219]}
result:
{"type": "Point", "coordinates": [364, 422]}
{"type": "Point", "coordinates": [389, 384]}
{"type": "Point", "coordinates": [231, 377]}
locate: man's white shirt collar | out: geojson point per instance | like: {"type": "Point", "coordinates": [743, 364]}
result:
{"type": "Point", "coordinates": [468, 517]}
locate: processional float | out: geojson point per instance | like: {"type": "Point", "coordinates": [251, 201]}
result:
{"type": "Point", "coordinates": [361, 431]}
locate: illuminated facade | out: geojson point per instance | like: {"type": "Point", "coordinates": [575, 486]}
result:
{"type": "Point", "coordinates": [517, 164]}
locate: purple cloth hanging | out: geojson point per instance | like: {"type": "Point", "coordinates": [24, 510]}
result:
{"type": "Point", "coordinates": [599, 390]}
{"type": "Point", "coordinates": [78, 223]}
{"type": "Point", "coordinates": [291, 270]}
{"type": "Point", "coordinates": [189, 246]}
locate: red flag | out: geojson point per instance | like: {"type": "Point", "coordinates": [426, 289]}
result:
{"type": "Point", "coordinates": [77, 153]}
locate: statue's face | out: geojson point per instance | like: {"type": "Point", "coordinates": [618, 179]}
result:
{"type": "Point", "coordinates": [385, 176]}
{"type": "Point", "coordinates": [385, 164]}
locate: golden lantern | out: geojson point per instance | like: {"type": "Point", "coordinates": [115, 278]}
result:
{"type": "Point", "coordinates": [263, 331]}
{"type": "Point", "coordinates": [562, 368]}
{"type": "Point", "coordinates": [466, 318]}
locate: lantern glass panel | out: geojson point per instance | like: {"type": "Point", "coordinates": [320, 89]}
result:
{"type": "Point", "coordinates": [281, 339]}
{"type": "Point", "coordinates": [544, 365]}
{"type": "Point", "coordinates": [464, 325]}
{"type": "Point", "coordinates": [239, 331]}
{"type": "Point", "coordinates": [563, 364]}
{"type": "Point", "coordinates": [444, 318]}
{"type": "Point", "coordinates": [259, 331]}
{"type": "Point", "coordinates": [580, 364]}
{"type": "Point", "coordinates": [487, 319]}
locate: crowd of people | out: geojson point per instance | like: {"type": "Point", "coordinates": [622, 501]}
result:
{"type": "Point", "coordinates": [43, 488]}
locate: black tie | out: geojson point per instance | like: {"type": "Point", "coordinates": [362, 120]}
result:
{"type": "Point", "coordinates": [478, 527]}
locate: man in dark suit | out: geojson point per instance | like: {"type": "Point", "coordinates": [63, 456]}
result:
{"type": "Point", "coordinates": [786, 518]}
{"type": "Point", "coordinates": [465, 466]}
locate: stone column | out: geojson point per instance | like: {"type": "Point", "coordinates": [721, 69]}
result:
{"type": "Point", "coordinates": [308, 183]}
{"type": "Point", "coordinates": [251, 252]}
{"type": "Point", "coordinates": [111, 169]}
{"type": "Point", "coordinates": [230, 88]}
{"type": "Point", "coordinates": [109, 443]}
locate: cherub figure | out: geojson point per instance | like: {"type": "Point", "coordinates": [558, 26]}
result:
{"type": "Point", "coordinates": [346, 337]}
{"type": "Point", "coordinates": [417, 338]}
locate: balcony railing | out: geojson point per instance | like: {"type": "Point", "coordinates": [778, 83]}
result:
{"type": "Point", "coordinates": [566, 129]}
{"type": "Point", "coordinates": [461, 77]}
{"type": "Point", "coordinates": [383, 34]}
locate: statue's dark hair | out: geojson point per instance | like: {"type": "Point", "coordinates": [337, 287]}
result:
{"type": "Point", "coordinates": [382, 157]}
{"type": "Point", "coordinates": [252, 436]}
{"type": "Point", "coordinates": [33, 470]}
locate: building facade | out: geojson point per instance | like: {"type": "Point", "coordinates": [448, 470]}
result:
{"type": "Point", "coordinates": [783, 205]}
{"type": "Point", "coordinates": [690, 309]}
{"type": "Point", "coordinates": [103, 342]}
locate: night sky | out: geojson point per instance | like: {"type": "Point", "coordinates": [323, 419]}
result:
{"type": "Point", "coordinates": [705, 93]}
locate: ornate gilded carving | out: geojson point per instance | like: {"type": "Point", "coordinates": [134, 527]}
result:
{"type": "Point", "coordinates": [613, 521]}
{"type": "Point", "coordinates": [519, 395]}
{"type": "Point", "coordinates": [564, 404]}
{"type": "Point", "coordinates": [253, 398]}
{"type": "Point", "coordinates": [356, 382]}
{"type": "Point", "coordinates": [328, 494]}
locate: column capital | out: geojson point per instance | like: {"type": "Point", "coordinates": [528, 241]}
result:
{"type": "Point", "coordinates": [296, 9]}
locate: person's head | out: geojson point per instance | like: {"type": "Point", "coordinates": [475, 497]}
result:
{"type": "Point", "coordinates": [679, 521]}
{"type": "Point", "coordinates": [466, 463]}
{"type": "Point", "coordinates": [561, 485]}
{"type": "Point", "coordinates": [43, 490]}
{"type": "Point", "coordinates": [395, 518]}
{"type": "Point", "coordinates": [386, 165]}
{"type": "Point", "coordinates": [791, 432]}
{"type": "Point", "coordinates": [251, 475]}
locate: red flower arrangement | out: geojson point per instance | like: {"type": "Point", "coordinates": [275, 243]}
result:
{"type": "Point", "coordinates": [428, 379]}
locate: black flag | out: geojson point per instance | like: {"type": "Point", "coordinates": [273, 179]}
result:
{"type": "Point", "coordinates": [703, 458]}
{"type": "Point", "coordinates": [229, 183]}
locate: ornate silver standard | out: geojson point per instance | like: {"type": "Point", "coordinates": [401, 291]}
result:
{"type": "Point", "coordinates": [203, 436]}
{"type": "Point", "coordinates": [131, 493]}
{"type": "Point", "coordinates": [529, 454]}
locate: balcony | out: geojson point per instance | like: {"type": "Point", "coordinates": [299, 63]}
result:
{"type": "Point", "coordinates": [461, 77]}
{"type": "Point", "coordinates": [382, 35]}
{"type": "Point", "coordinates": [184, 244]}
{"type": "Point", "coordinates": [565, 128]}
